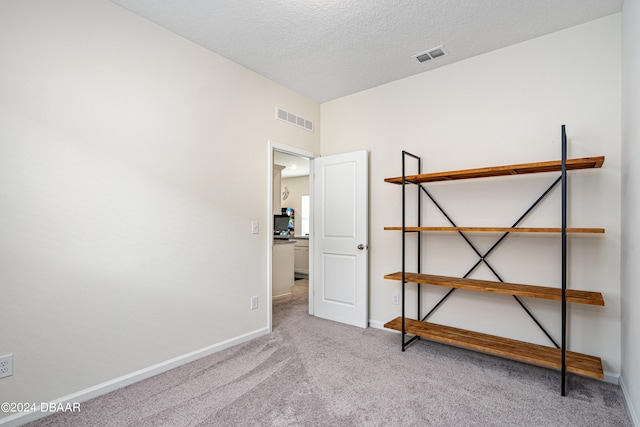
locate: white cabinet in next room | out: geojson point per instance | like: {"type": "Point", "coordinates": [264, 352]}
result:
{"type": "Point", "coordinates": [301, 256]}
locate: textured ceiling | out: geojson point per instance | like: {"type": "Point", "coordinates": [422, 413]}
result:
{"type": "Point", "coordinates": [326, 49]}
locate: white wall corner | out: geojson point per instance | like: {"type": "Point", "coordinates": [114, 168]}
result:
{"type": "Point", "coordinates": [633, 415]}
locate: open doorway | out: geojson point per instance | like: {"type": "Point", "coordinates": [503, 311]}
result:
{"type": "Point", "coordinates": [293, 208]}
{"type": "Point", "coordinates": [291, 230]}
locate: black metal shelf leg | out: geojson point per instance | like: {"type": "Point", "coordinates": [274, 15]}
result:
{"type": "Point", "coordinates": [564, 261]}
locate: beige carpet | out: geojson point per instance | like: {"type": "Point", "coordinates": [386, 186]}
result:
{"type": "Point", "coordinates": [313, 372]}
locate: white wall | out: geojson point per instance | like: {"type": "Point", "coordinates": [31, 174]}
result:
{"type": "Point", "coordinates": [631, 205]}
{"type": "Point", "coordinates": [500, 108]}
{"type": "Point", "coordinates": [132, 163]}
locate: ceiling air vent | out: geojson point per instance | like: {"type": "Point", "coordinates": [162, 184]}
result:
{"type": "Point", "coordinates": [433, 53]}
{"type": "Point", "coordinates": [294, 119]}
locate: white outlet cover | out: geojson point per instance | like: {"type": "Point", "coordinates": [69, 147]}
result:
{"type": "Point", "coordinates": [6, 365]}
{"type": "Point", "coordinates": [255, 227]}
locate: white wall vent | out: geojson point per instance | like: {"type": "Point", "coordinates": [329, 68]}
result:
{"type": "Point", "coordinates": [433, 53]}
{"type": "Point", "coordinates": [294, 119]}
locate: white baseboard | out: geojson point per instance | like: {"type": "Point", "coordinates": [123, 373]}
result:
{"type": "Point", "coordinates": [378, 325]}
{"type": "Point", "coordinates": [633, 415]}
{"type": "Point", "coordinates": [134, 377]}
{"type": "Point", "coordinates": [611, 377]}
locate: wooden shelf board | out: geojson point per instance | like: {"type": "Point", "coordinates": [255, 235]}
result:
{"type": "Point", "coordinates": [536, 354]}
{"type": "Point", "coordinates": [502, 229]}
{"type": "Point", "coordinates": [520, 169]}
{"type": "Point", "coordinates": [555, 294]}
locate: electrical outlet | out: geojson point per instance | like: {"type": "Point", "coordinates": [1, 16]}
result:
{"type": "Point", "coordinates": [255, 227]}
{"type": "Point", "coordinates": [254, 303]}
{"type": "Point", "coordinates": [6, 365]}
{"type": "Point", "coordinates": [394, 298]}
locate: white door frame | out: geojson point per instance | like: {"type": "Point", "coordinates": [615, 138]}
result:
{"type": "Point", "coordinates": [272, 145]}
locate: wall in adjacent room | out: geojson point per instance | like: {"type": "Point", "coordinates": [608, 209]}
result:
{"type": "Point", "coordinates": [298, 186]}
{"type": "Point", "coordinates": [132, 163]}
{"type": "Point", "coordinates": [500, 108]}
{"type": "Point", "coordinates": [631, 206]}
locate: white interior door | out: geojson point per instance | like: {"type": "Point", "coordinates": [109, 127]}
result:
{"type": "Point", "coordinates": [340, 245]}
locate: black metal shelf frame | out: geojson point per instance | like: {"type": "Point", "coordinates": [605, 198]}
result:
{"type": "Point", "coordinates": [482, 258]}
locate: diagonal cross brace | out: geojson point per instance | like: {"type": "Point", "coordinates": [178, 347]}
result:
{"type": "Point", "coordinates": [483, 257]}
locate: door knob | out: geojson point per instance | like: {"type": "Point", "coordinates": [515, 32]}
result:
{"type": "Point", "coordinates": [361, 246]}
